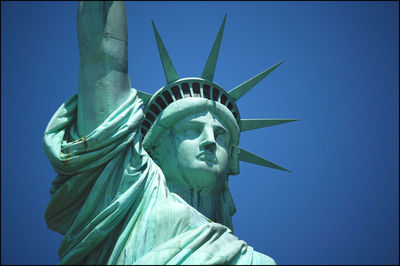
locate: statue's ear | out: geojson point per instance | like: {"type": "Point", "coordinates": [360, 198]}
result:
{"type": "Point", "coordinates": [234, 161]}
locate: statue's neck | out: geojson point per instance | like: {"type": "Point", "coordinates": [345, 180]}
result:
{"type": "Point", "coordinates": [200, 199]}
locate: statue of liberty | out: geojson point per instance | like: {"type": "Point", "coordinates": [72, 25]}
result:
{"type": "Point", "coordinates": [143, 179]}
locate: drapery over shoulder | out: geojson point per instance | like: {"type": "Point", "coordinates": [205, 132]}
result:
{"type": "Point", "coordinates": [112, 203]}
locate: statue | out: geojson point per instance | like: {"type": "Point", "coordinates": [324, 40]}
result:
{"type": "Point", "coordinates": [146, 186]}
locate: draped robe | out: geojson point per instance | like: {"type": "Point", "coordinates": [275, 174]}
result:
{"type": "Point", "coordinates": [112, 202]}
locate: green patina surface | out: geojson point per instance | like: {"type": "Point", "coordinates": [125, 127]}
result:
{"type": "Point", "coordinates": [146, 186]}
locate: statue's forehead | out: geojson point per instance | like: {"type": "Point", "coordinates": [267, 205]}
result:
{"type": "Point", "coordinates": [206, 117]}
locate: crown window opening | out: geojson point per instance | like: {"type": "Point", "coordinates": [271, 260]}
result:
{"type": "Point", "coordinates": [201, 90]}
{"type": "Point", "coordinates": [191, 92]}
{"type": "Point", "coordinates": [235, 114]}
{"type": "Point", "coordinates": [157, 106]}
{"type": "Point", "coordinates": [206, 91]}
{"type": "Point", "coordinates": [176, 92]}
{"type": "Point", "coordinates": [150, 117]}
{"type": "Point", "coordinates": [161, 103]}
{"type": "Point", "coordinates": [186, 90]}
{"type": "Point", "coordinates": [155, 110]}
{"type": "Point", "coordinates": [167, 97]}
{"type": "Point", "coordinates": [146, 124]}
{"type": "Point", "coordinates": [215, 93]}
{"type": "Point", "coordinates": [224, 98]}
{"type": "Point", "coordinates": [144, 131]}
{"type": "Point", "coordinates": [230, 106]}
{"type": "Point", "coordinates": [196, 89]}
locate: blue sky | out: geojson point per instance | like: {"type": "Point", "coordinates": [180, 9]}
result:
{"type": "Point", "coordinates": [340, 203]}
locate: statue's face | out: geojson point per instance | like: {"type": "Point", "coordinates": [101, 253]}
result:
{"type": "Point", "coordinates": [198, 153]}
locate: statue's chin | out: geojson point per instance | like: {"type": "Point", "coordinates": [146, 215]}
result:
{"type": "Point", "coordinates": [205, 176]}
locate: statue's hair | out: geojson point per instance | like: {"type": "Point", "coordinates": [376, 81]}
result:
{"type": "Point", "coordinates": [179, 110]}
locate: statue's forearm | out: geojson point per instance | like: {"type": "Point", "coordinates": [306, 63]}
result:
{"type": "Point", "coordinates": [103, 72]}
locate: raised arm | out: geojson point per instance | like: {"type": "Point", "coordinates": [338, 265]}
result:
{"type": "Point", "coordinates": [103, 71]}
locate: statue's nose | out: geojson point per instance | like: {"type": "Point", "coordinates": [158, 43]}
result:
{"type": "Point", "coordinates": [209, 140]}
{"type": "Point", "coordinates": [211, 146]}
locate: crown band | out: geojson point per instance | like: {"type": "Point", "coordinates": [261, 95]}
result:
{"type": "Point", "coordinates": [185, 88]}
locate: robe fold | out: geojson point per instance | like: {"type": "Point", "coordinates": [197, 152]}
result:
{"type": "Point", "coordinates": [112, 203]}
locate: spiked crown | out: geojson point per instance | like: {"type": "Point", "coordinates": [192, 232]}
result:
{"type": "Point", "coordinates": [191, 94]}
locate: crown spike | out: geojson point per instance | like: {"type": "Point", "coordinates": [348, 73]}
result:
{"type": "Point", "coordinates": [249, 157]}
{"type": "Point", "coordinates": [144, 96]}
{"type": "Point", "coordinates": [243, 88]}
{"type": "Point", "coordinates": [209, 68]}
{"type": "Point", "coordinates": [169, 69]}
{"type": "Point", "coordinates": [250, 124]}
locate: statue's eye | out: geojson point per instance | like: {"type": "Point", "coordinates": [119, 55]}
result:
{"type": "Point", "coordinates": [190, 133]}
{"type": "Point", "coordinates": [221, 137]}
{"type": "Point", "coordinates": [188, 130]}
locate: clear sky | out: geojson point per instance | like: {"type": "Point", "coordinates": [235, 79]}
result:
{"type": "Point", "coordinates": [340, 203]}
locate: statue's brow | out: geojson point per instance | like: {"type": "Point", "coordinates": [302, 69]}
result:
{"type": "Point", "coordinates": [216, 124]}
{"type": "Point", "coordinates": [221, 127]}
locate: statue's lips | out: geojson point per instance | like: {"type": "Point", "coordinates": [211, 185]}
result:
{"type": "Point", "coordinates": [207, 157]}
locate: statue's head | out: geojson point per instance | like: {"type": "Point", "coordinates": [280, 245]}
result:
{"type": "Point", "coordinates": [192, 125]}
{"type": "Point", "coordinates": [192, 130]}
